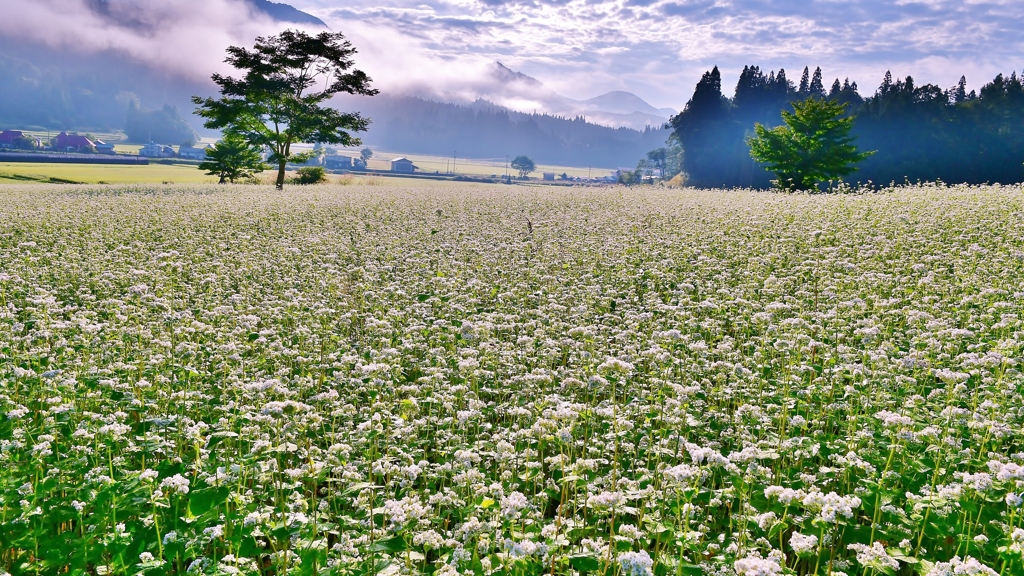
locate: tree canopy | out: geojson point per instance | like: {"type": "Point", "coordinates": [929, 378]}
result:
{"type": "Point", "coordinates": [233, 158]}
{"type": "Point", "coordinates": [280, 100]}
{"type": "Point", "coordinates": [813, 146]}
{"type": "Point", "coordinates": [524, 165]}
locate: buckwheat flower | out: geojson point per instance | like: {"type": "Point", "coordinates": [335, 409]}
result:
{"type": "Point", "coordinates": [145, 557]}
{"type": "Point", "coordinates": [766, 520]}
{"type": "Point", "coordinates": [803, 544]}
{"type": "Point", "coordinates": [78, 506]}
{"type": "Point", "coordinates": [682, 473]}
{"type": "Point", "coordinates": [980, 482]}
{"type": "Point", "coordinates": [176, 483]}
{"type": "Point", "coordinates": [513, 503]}
{"type": "Point", "coordinates": [981, 539]}
{"type": "Point", "coordinates": [606, 500]}
{"type": "Point", "coordinates": [630, 531]}
{"type": "Point", "coordinates": [956, 567]}
{"type": "Point", "coordinates": [615, 365]}
{"type": "Point", "coordinates": [148, 476]}
{"type": "Point", "coordinates": [213, 532]}
{"type": "Point", "coordinates": [429, 539]}
{"type": "Point", "coordinates": [874, 557]}
{"type": "Point", "coordinates": [756, 565]}
{"type": "Point", "coordinates": [1017, 537]}
{"type": "Point", "coordinates": [1013, 500]}
{"type": "Point", "coordinates": [784, 495]}
{"type": "Point", "coordinates": [17, 413]}
{"type": "Point", "coordinates": [524, 548]}
{"type": "Point", "coordinates": [636, 563]}
{"type": "Point", "coordinates": [830, 506]}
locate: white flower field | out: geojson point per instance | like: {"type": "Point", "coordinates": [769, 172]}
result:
{"type": "Point", "coordinates": [510, 381]}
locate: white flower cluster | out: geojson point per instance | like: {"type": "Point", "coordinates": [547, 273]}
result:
{"type": "Point", "coordinates": [636, 563]}
{"type": "Point", "coordinates": [961, 567]}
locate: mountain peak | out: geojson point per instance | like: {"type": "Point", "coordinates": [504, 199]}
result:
{"type": "Point", "coordinates": [506, 74]}
{"type": "Point", "coordinates": [285, 13]}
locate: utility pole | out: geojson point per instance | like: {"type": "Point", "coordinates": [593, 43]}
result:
{"type": "Point", "coordinates": [453, 161]}
{"type": "Point", "coordinates": [506, 166]}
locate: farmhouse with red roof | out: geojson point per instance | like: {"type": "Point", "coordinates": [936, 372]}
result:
{"type": "Point", "coordinates": [17, 139]}
{"type": "Point", "coordinates": [65, 142]}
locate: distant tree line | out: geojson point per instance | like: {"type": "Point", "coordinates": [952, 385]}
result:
{"type": "Point", "coordinates": [482, 129]}
{"type": "Point", "coordinates": [918, 132]}
{"type": "Point", "coordinates": [164, 125]}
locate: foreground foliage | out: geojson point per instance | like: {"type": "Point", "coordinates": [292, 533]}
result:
{"type": "Point", "coordinates": [491, 381]}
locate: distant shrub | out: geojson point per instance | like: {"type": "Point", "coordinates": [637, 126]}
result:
{"type": "Point", "coordinates": [310, 175]}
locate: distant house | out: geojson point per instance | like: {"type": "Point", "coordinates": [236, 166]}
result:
{"type": "Point", "coordinates": [193, 153]}
{"type": "Point", "coordinates": [65, 142]}
{"type": "Point", "coordinates": [549, 176]}
{"type": "Point", "coordinates": [402, 166]}
{"type": "Point", "coordinates": [9, 138]}
{"type": "Point", "coordinates": [154, 150]}
{"type": "Point", "coordinates": [104, 148]}
{"type": "Point", "coordinates": [334, 162]}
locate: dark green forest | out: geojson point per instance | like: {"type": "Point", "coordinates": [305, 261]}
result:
{"type": "Point", "coordinates": [924, 132]}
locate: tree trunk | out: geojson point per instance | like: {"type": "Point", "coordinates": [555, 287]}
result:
{"type": "Point", "coordinates": [280, 174]}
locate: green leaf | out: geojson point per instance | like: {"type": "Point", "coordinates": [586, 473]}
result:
{"type": "Point", "coordinates": [584, 563]}
{"type": "Point", "coordinates": [393, 545]}
{"type": "Point", "coordinates": [202, 501]}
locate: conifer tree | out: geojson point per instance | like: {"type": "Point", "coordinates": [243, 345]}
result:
{"type": "Point", "coordinates": [960, 94]}
{"type": "Point", "coordinates": [805, 83]}
{"type": "Point", "coordinates": [836, 91]}
{"type": "Point", "coordinates": [817, 88]}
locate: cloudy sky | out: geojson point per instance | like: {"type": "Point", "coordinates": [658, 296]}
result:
{"type": "Point", "coordinates": [659, 48]}
{"type": "Point", "coordinates": [582, 48]}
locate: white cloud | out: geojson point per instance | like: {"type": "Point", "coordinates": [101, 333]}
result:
{"type": "Point", "coordinates": [659, 48]}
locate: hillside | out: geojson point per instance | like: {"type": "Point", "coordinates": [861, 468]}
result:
{"type": "Point", "coordinates": [485, 130]}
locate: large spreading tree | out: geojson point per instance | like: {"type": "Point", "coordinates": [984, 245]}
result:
{"type": "Point", "coordinates": [812, 147]}
{"type": "Point", "coordinates": [280, 100]}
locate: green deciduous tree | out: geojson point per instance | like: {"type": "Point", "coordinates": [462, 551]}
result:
{"type": "Point", "coordinates": [280, 100]}
{"type": "Point", "coordinates": [233, 158]}
{"type": "Point", "coordinates": [524, 165]}
{"type": "Point", "coordinates": [812, 147]}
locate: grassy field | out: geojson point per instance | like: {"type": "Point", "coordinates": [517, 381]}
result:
{"type": "Point", "coordinates": [23, 173]}
{"type": "Point", "coordinates": [16, 172]}
{"type": "Point", "coordinates": [397, 377]}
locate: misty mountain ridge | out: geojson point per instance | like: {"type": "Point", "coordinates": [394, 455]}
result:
{"type": "Point", "coordinates": [417, 125]}
{"type": "Point", "coordinates": [517, 91]}
{"type": "Point", "coordinates": [122, 12]}
{"type": "Point", "coordinates": [285, 13]}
